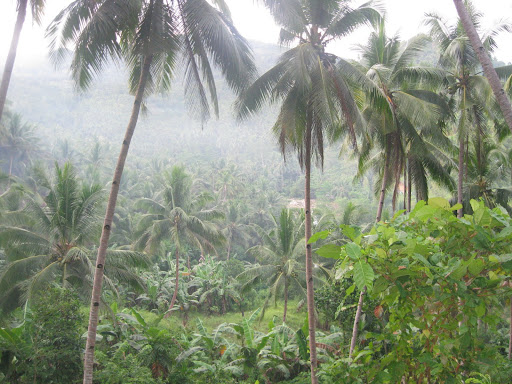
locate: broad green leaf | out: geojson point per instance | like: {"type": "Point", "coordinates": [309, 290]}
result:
{"type": "Point", "coordinates": [318, 235]}
{"type": "Point", "coordinates": [350, 290]}
{"type": "Point", "coordinates": [353, 251]}
{"type": "Point", "coordinates": [476, 266]}
{"type": "Point", "coordinates": [456, 207]}
{"type": "Point", "coordinates": [330, 251]}
{"type": "Point", "coordinates": [419, 205]}
{"type": "Point", "coordinates": [422, 259]}
{"type": "Point", "coordinates": [351, 232]}
{"type": "Point", "coordinates": [506, 232]}
{"type": "Point", "coordinates": [493, 275]}
{"type": "Point", "coordinates": [439, 202]}
{"type": "Point", "coordinates": [381, 253]}
{"type": "Point", "coordinates": [480, 309]}
{"type": "Point", "coordinates": [363, 275]}
{"type": "Point", "coordinates": [474, 205]}
{"type": "Point", "coordinates": [399, 213]}
{"type": "Point", "coordinates": [457, 273]}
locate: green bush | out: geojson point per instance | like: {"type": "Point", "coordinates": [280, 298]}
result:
{"type": "Point", "coordinates": [56, 336]}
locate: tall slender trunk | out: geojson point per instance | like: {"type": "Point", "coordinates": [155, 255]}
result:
{"type": "Point", "coordinates": [510, 333]}
{"type": "Point", "coordinates": [11, 161]}
{"type": "Point", "coordinates": [229, 247]}
{"type": "Point", "coordinates": [355, 329]}
{"type": "Point", "coordinates": [409, 186]}
{"type": "Point", "coordinates": [405, 184]}
{"type": "Point", "coordinates": [309, 257]}
{"type": "Point", "coordinates": [64, 275]}
{"type": "Point", "coordinates": [11, 56]}
{"type": "Point", "coordinates": [176, 283]}
{"type": "Point", "coordinates": [461, 174]}
{"type": "Point", "coordinates": [285, 299]}
{"type": "Point", "coordinates": [485, 61]}
{"type": "Point", "coordinates": [383, 188]}
{"type": "Point", "coordinates": [107, 224]}
{"type": "Point", "coordinates": [10, 170]}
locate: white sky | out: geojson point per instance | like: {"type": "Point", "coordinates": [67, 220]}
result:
{"type": "Point", "coordinates": [254, 22]}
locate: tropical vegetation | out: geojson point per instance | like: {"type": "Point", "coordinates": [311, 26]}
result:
{"type": "Point", "coordinates": [218, 259]}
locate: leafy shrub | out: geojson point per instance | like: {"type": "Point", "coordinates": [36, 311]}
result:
{"type": "Point", "coordinates": [436, 278]}
{"type": "Point", "coordinates": [46, 347]}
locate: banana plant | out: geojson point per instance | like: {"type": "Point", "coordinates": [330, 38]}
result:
{"type": "Point", "coordinates": [212, 352]}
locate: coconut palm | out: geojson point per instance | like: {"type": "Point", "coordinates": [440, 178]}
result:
{"type": "Point", "coordinates": [485, 160]}
{"type": "Point", "coordinates": [279, 264]}
{"type": "Point", "coordinates": [153, 36]}
{"type": "Point", "coordinates": [315, 99]}
{"type": "Point", "coordinates": [17, 143]}
{"type": "Point", "coordinates": [485, 61]}
{"type": "Point", "coordinates": [52, 238]}
{"type": "Point", "coordinates": [180, 216]}
{"type": "Point", "coordinates": [37, 9]}
{"type": "Point", "coordinates": [468, 88]}
{"type": "Point", "coordinates": [405, 126]}
{"type": "Point", "coordinates": [235, 231]}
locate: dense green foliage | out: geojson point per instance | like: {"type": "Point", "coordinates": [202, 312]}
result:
{"type": "Point", "coordinates": [205, 274]}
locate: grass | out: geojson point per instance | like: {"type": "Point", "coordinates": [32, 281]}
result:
{"type": "Point", "coordinates": [294, 318]}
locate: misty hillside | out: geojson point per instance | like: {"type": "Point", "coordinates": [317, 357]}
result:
{"type": "Point", "coordinates": [46, 97]}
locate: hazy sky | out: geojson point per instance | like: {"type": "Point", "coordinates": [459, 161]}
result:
{"type": "Point", "coordinates": [403, 16]}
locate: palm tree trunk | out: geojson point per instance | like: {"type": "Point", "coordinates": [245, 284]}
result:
{"type": "Point", "coordinates": [309, 257]}
{"type": "Point", "coordinates": [409, 186]}
{"type": "Point", "coordinates": [485, 61]}
{"type": "Point", "coordinates": [405, 185]}
{"type": "Point", "coordinates": [10, 171]}
{"type": "Point", "coordinates": [229, 247]}
{"type": "Point", "coordinates": [383, 189]}
{"type": "Point", "coordinates": [461, 174]}
{"type": "Point", "coordinates": [11, 160]}
{"type": "Point", "coordinates": [9, 62]}
{"type": "Point", "coordinates": [285, 299]}
{"type": "Point", "coordinates": [510, 333]}
{"type": "Point", "coordinates": [356, 322]}
{"type": "Point", "coordinates": [107, 224]}
{"type": "Point", "coordinates": [176, 283]}
{"type": "Point", "coordinates": [64, 275]}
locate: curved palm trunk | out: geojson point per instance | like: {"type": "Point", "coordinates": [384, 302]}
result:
{"type": "Point", "coordinates": [176, 284]}
{"type": "Point", "coordinates": [107, 224]}
{"type": "Point", "coordinates": [309, 259]}
{"type": "Point", "coordinates": [485, 61]}
{"type": "Point", "coordinates": [356, 322]}
{"type": "Point", "coordinates": [9, 62]}
{"type": "Point", "coordinates": [461, 174]}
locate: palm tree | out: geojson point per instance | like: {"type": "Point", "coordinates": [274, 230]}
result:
{"type": "Point", "coordinates": [235, 230]}
{"type": "Point", "coordinates": [180, 216]}
{"type": "Point", "coordinates": [402, 119]}
{"type": "Point", "coordinates": [152, 36]}
{"type": "Point", "coordinates": [487, 171]}
{"type": "Point", "coordinates": [37, 8]}
{"type": "Point", "coordinates": [485, 61]}
{"type": "Point", "coordinates": [466, 85]}
{"type": "Point", "coordinates": [17, 143]}
{"type": "Point", "coordinates": [280, 266]}
{"type": "Point", "coordinates": [315, 99]}
{"type": "Point", "coordinates": [53, 236]}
